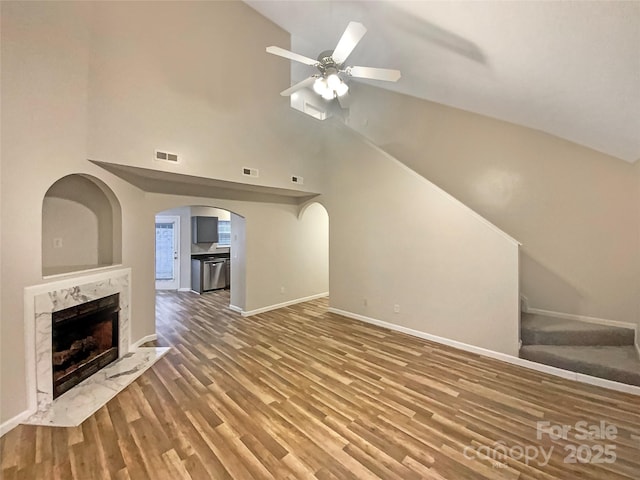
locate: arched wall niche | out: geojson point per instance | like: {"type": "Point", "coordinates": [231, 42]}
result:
{"type": "Point", "coordinates": [315, 203]}
{"type": "Point", "coordinates": [81, 226]}
{"type": "Point", "coordinates": [315, 221]}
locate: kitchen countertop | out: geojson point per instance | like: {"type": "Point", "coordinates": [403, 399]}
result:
{"type": "Point", "coordinates": [202, 256]}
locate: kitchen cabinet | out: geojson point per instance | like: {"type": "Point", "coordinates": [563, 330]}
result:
{"type": "Point", "coordinates": [204, 229]}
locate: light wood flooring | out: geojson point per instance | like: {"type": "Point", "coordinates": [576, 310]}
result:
{"type": "Point", "coordinates": [301, 393]}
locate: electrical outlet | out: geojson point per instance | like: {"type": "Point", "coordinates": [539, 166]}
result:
{"type": "Point", "coordinates": [365, 302]}
{"type": "Point", "coordinates": [396, 308]}
{"type": "Point", "coordinates": [57, 242]}
{"type": "Point", "coordinates": [281, 290]}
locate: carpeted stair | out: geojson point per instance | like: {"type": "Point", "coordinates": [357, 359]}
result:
{"type": "Point", "coordinates": [597, 350]}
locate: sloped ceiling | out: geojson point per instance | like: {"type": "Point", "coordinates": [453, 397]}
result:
{"type": "Point", "coordinates": [571, 69]}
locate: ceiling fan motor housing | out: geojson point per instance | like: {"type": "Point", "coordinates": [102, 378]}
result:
{"type": "Point", "coordinates": [326, 64]}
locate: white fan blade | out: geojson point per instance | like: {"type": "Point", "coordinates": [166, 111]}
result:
{"type": "Point", "coordinates": [298, 86]}
{"type": "Point", "coordinates": [350, 38]}
{"type": "Point", "coordinates": [374, 73]}
{"type": "Point", "coordinates": [291, 56]}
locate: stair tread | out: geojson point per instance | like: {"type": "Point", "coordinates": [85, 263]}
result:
{"type": "Point", "coordinates": [540, 329]}
{"type": "Point", "coordinates": [552, 324]}
{"type": "Point", "coordinates": [619, 363]}
{"type": "Point", "coordinates": [616, 357]}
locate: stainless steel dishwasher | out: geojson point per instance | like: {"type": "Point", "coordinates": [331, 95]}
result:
{"type": "Point", "coordinates": [213, 274]}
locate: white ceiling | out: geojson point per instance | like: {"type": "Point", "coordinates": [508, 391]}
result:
{"type": "Point", "coordinates": [568, 68]}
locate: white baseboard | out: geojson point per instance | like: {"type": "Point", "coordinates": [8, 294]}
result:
{"type": "Point", "coordinates": [558, 372]}
{"type": "Point", "coordinates": [235, 309]}
{"type": "Point", "coordinates": [12, 423]}
{"type": "Point", "coordinates": [185, 289]}
{"type": "Point", "coordinates": [15, 421]}
{"type": "Point", "coordinates": [143, 340]}
{"type": "Point", "coordinates": [583, 318]}
{"type": "Point", "coordinates": [283, 304]}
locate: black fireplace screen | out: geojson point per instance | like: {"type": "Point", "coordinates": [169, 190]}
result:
{"type": "Point", "coordinates": [85, 339]}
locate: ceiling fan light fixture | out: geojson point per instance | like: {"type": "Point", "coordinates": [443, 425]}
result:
{"type": "Point", "coordinates": [320, 86]}
{"type": "Point", "coordinates": [333, 81]}
{"type": "Point", "coordinates": [328, 94]}
{"type": "Point", "coordinates": [342, 89]}
{"type": "Point", "coordinates": [329, 82]}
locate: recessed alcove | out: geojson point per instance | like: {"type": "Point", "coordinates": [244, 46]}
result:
{"type": "Point", "coordinates": [81, 226]}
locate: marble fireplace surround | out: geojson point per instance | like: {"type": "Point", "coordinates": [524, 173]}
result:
{"type": "Point", "coordinates": [40, 301]}
{"type": "Point", "coordinates": [75, 405]}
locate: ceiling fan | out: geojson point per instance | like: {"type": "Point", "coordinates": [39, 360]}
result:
{"type": "Point", "coordinates": [329, 82]}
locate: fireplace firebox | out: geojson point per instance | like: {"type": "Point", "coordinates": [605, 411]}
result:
{"type": "Point", "coordinates": [85, 339]}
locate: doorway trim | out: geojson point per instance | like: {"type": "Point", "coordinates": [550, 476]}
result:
{"type": "Point", "coordinates": [175, 283]}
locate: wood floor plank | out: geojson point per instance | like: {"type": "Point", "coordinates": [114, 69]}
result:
{"type": "Point", "coordinates": [175, 467]}
{"type": "Point", "coordinates": [300, 393]}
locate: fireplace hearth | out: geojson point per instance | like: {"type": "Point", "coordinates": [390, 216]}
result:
{"type": "Point", "coordinates": [84, 340]}
{"type": "Point", "coordinates": [42, 302]}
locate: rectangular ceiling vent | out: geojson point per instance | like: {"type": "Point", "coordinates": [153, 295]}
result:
{"type": "Point", "coordinates": [297, 179]}
{"type": "Point", "coordinates": [250, 172]}
{"type": "Point", "coordinates": [166, 156]}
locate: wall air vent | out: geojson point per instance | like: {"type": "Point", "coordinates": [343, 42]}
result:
{"type": "Point", "coordinates": [297, 179]}
{"type": "Point", "coordinates": [250, 172]}
{"type": "Point", "coordinates": [166, 156]}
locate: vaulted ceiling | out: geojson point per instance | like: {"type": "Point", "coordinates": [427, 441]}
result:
{"type": "Point", "coordinates": [571, 69]}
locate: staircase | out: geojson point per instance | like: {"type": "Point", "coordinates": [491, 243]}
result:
{"type": "Point", "coordinates": [597, 350]}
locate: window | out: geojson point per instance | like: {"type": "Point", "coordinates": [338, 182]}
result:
{"type": "Point", "coordinates": [165, 248]}
{"type": "Point", "coordinates": [224, 232]}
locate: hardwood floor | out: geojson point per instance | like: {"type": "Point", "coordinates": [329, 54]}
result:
{"type": "Point", "coordinates": [301, 393]}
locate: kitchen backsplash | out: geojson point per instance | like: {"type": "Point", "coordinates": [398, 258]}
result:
{"type": "Point", "coordinates": [208, 248]}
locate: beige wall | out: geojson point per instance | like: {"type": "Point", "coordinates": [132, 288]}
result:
{"type": "Point", "coordinates": [76, 226]}
{"type": "Point", "coordinates": [282, 248]}
{"type": "Point", "coordinates": [100, 81]}
{"type": "Point", "coordinates": [210, 212]}
{"type": "Point", "coordinates": [397, 239]}
{"type": "Point", "coordinates": [238, 262]}
{"type": "Point", "coordinates": [574, 210]}
{"type": "Point", "coordinates": [78, 84]}
{"type": "Point", "coordinates": [207, 91]}
{"type": "Point", "coordinates": [637, 164]}
{"type": "Point", "coordinates": [43, 132]}
{"type": "Point", "coordinates": [288, 253]}
{"type": "Point", "coordinates": [314, 240]}
{"type": "Point", "coordinates": [78, 214]}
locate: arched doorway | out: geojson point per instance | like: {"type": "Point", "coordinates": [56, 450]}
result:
{"type": "Point", "coordinates": [179, 266]}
